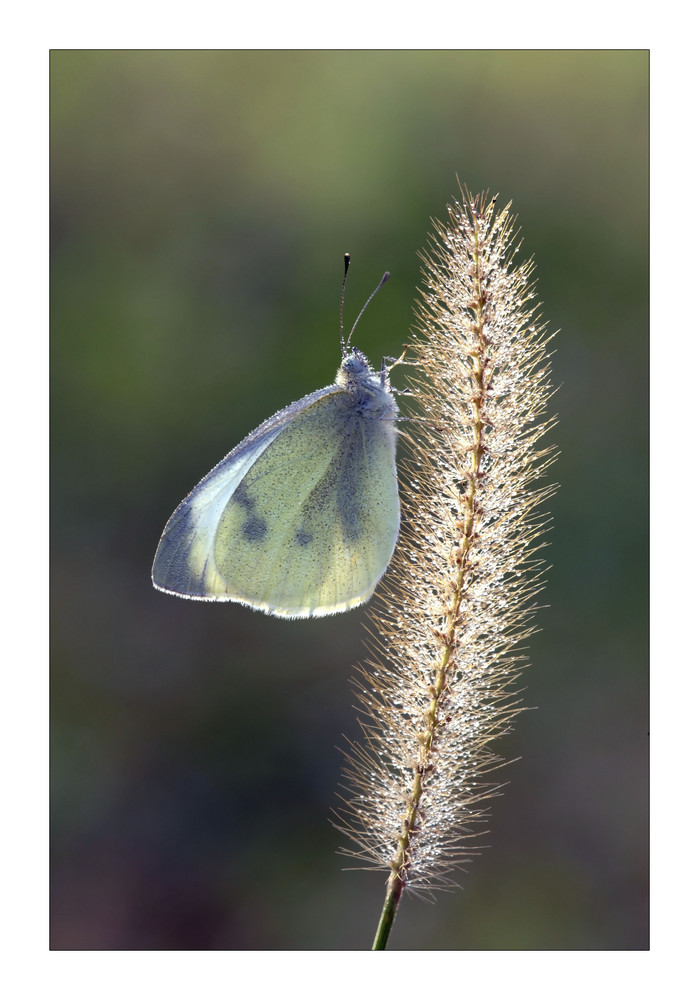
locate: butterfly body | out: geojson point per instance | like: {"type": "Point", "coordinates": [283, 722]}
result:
{"type": "Point", "coordinates": [301, 519]}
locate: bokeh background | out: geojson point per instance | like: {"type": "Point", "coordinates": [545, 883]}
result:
{"type": "Point", "coordinates": [201, 203]}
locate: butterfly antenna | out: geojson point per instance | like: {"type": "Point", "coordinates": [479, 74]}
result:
{"type": "Point", "coordinates": [342, 306]}
{"type": "Point", "coordinates": [383, 281]}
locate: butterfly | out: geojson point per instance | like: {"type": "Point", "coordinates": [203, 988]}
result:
{"type": "Point", "coordinates": [300, 520]}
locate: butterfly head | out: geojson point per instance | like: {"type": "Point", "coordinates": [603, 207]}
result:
{"type": "Point", "coordinates": [355, 363]}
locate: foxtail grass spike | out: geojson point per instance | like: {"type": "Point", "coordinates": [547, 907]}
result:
{"type": "Point", "coordinates": [449, 623]}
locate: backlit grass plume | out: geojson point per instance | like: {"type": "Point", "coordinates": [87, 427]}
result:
{"type": "Point", "coordinates": [458, 601]}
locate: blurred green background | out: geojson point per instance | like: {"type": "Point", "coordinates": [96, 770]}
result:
{"type": "Point", "coordinates": [201, 203]}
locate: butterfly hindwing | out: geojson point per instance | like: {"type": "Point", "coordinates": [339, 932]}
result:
{"type": "Point", "coordinates": [300, 519]}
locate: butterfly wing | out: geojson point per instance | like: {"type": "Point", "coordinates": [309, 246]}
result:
{"type": "Point", "coordinates": [300, 519]}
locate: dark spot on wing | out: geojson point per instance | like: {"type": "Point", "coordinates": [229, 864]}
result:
{"type": "Point", "coordinates": [255, 529]}
{"type": "Point", "coordinates": [241, 497]}
{"type": "Point", "coordinates": [349, 500]}
{"type": "Point", "coordinates": [349, 512]}
{"type": "Point", "coordinates": [303, 537]}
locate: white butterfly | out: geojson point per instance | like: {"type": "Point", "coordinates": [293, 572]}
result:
{"type": "Point", "coordinates": [302, 517]}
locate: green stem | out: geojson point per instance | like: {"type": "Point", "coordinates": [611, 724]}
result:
{"type": "Point", "coordinates": [390, 906]}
